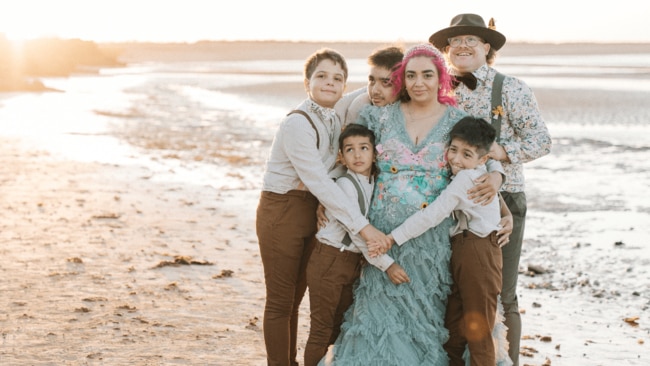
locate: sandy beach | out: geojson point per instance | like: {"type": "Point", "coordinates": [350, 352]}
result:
{"type": "Point", "coordinates": [106, 263]}
{"type": "Point", "coordinates": [101, 266]}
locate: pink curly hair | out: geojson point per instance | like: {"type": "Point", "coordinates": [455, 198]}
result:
{"type": "Point", "coordinates": [445, 92]}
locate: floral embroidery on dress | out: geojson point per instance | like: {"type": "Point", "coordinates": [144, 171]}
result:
{"type": "Point", "coordinates": [409, 175]}
{"type": "Point", "coordinates": [410, 178]}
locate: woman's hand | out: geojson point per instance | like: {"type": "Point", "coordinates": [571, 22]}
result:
{"type": "Point", "coordinates": [505, 230]}
{"type": "Point", "coordinates": [320, 215]}
{"type": "Point", "coordinates": [486, 188]}
{"type": "Point", "coordinates": [506, 224]}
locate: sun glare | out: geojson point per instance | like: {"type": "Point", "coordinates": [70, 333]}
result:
{"type": "Point", "coordinates": [22, 28]}
{"type": "Point", "coordinates": [21, 36]}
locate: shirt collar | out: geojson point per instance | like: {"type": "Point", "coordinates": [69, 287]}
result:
{"type": "Point", "coordinates": [361, 177]}
{"type": "Point", "coordinates": [324, 113]}
{"type": "Point", "coordinates": [482, 73]}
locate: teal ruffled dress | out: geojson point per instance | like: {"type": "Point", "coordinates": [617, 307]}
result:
{"type": "Point", "coordinates": [402, 324]}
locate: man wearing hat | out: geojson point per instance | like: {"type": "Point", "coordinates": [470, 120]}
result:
{"type": "Point", "coordinates": [470, 47]}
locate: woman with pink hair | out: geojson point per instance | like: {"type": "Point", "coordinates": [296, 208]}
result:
{"type": "Point", "coordinates": [403, 323]}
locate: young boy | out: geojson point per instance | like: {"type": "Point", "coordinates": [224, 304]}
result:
{"type": "Point", "coordinates": [336, 261]}
{"type": "Point", "coordinates": [476, 259]}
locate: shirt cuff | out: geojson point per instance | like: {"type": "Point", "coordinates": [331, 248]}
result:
{"type": "Point", "coordinates": [511, 152]}
{"type": "Point", "coordinates": [399, 236]}
{"type": "Point", "coordinates": [359, 224]}
{"type": "Point", "coordinates": [382, 262]}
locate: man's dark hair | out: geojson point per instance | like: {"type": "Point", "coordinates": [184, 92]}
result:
{"type": "Point", "coordinates": [386, 57]}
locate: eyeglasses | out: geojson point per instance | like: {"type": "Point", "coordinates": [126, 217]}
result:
{"type": "Point", "coordinates": [469, 41]}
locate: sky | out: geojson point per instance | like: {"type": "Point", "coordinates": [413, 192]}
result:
{"type": "Point", "coordinates": [555, 21]}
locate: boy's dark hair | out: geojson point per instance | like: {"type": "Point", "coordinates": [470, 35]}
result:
{"type": "Point", "coordinates": [324, 54]}
{"type": "Point", "coordinates": [476, 132]}
{"type": "Point", "coordinates": [354, 129]}
{"type": "Point", "coordinates": [386, 57]}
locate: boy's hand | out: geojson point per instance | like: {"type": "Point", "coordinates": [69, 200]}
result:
{"type": "Point", "coordinates": [486, 188]}
{"type": "Point", "coordinates": [370, 233]}
{"type": "Point", "coordinates": [376, 248]}
{"type": "Point", "coordinates": [397, 274]}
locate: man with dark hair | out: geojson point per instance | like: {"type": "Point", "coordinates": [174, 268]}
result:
{"type": "Point", "coordinates": [380, 87]}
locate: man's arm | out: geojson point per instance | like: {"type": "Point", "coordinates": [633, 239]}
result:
{"type": "Point", "coordinates": [531, 139]}
{"type": "Point", "coordinates": [487, 186]}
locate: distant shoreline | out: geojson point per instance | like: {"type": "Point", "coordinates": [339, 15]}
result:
{"type": "Point", "coordinates": [22, 67]}
{"type": "Point", "coordinates": [275, 50]}
{"type": "Point", "coordinates": [118, 54]}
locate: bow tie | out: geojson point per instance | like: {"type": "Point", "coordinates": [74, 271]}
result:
{"type": "Point", "coordinates": [325, 114]}
{"type": "Point", "coordinates": [468, 79]}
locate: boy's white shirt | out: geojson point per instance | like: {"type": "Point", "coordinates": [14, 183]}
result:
{"type": "Point", "coordinates": [295, 161]}
{"type": "Point", "coordinates": [334, 232]}
{"type": "Point", "coordinates": [482, 220]}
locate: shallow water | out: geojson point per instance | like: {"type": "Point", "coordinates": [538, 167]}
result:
{"type": "Point", "coordinates": [196, 116]}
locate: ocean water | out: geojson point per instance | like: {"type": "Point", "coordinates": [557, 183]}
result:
{"type": "Point", "coordinates": [205, 112]}
{"type": "Point", "coordinates": [196, 117]}
{"type": "Point", "coordinates": [211, 123]}
{"type": "Point", "coordinates": [200, 119]}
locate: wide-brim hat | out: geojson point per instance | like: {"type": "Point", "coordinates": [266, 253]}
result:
{"type": "Point", "coordinates": [468, 24]}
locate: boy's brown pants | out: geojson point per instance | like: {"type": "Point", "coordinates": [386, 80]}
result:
{"type": "Point", "coordinates": [331, 275]}
{"type": "Point", "coordinates": [476, 265]}
{"type": "Point", "coordinates": [286, 229]}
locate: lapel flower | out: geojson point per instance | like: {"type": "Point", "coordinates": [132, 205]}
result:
{"type": "Point", "coordinates": [497, 111]}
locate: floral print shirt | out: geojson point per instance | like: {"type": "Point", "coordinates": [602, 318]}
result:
{"type": "Point", "coordinates": [524, 135]}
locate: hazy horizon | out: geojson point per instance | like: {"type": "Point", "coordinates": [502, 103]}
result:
{"type": "Point", "coordinates": [189, 21]}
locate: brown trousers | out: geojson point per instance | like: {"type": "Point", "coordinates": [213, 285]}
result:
{"type": "Point", "coordinates": [476, 265]}
{"type": "Point", "coordinates": [331, 275]}
{"type": "Point", "coordinates": [286, 228]}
